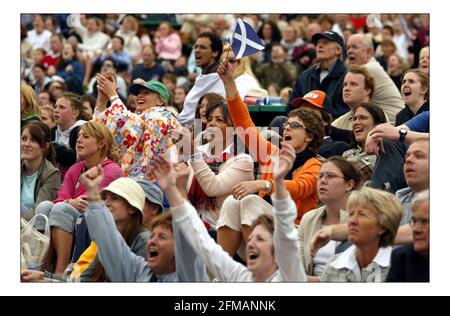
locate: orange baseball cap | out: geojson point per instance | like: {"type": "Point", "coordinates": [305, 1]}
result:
{"type": "Point", "coordinates": [315, 98]}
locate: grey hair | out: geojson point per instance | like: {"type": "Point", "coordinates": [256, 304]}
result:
{"type": "Point", "coordinates": [419, 198]}
{"type": "Point", "coordinates": [368, 43]}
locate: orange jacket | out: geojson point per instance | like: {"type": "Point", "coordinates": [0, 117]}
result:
{"type": "Point", "coordinates": [303, 185]}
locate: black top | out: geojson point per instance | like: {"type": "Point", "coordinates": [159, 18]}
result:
{"type": "Point", "coordinates": [72, 138]}
{"type": "Point", "coordinates": [407, 265]}
{"type": "Point", "coordinates": [406, 114]}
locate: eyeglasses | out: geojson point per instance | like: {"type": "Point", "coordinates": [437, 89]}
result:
{"type": "Point", "coordinates": [108, 65]}
{"type": "Point", "coordinates": [418, 221]}
{"type": "Point", "coordinates": [293, 125]}
{"type": "Point", "coordinates": [327, 176]}
{"type": "Point", "coordinates": [359, 117]}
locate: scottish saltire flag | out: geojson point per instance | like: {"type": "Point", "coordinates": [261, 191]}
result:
{"type": "Point", "coordinates": [245, 41]}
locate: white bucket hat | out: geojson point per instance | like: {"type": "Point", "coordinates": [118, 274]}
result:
{"type": "Point", "coordinates": [129, 190]}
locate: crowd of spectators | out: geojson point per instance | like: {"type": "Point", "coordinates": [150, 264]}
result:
{"type": "Point", "coordinates": [140, 145]}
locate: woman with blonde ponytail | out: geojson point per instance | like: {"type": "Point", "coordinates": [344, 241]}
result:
{"type": "Point", "coordinates": [94, 147]}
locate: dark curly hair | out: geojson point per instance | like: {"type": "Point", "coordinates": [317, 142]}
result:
{"type": "Point", "coordinates": [313, 126]}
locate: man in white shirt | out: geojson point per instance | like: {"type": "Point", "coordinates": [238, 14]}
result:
{"type": "Point", "coordinates": [207, 49]}
{"type": "Point", "coordinates": [39, 37]}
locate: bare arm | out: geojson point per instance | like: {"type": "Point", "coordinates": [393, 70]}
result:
{"type": "Point", "coordinates": [167, 181]}
{"type": "Point", "coordinates": [386, 131]}
{"type": "Point", "coordinates": [404, 235]}
{"type": "Point", "coordinates": [323, 236]}
{"type": "Point", "coordinates": [107, 89]}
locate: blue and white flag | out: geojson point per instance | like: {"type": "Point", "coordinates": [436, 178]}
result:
{"type": "Point", "coordinates": [245, 41]}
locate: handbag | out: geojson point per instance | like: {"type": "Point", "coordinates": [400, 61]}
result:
{"type": "Point", "coordinates": [34, 244]}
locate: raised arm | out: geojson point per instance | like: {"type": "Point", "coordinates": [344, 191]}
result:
{"type": "Point", "coordinates": [120, 263]}
{"type": "Point", "coordinates": [285, 236]}
{"type": "Point", "coordinates": [107, 89]}
{"type": "Point", "coordinates": [215, 258]}
{"type": "Point", "coordinates": [245, 128]}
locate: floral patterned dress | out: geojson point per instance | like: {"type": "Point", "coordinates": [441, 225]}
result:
{"type": "Point", "coordinates": [141, 136]}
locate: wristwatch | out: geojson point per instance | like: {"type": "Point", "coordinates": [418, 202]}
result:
{"type": "Point", "coordinates": [267, 186]}
{"type": "Point", "coordinates": [402, 132]}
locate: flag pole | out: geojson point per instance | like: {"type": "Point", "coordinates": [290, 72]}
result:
{"type": "Point", "coordinates": [231, 42]}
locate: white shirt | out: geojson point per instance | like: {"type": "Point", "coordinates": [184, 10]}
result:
{"type": "Point", "coordinates": [348, 261]}
{"type": "Point", "coordinates": [39, 40]}
{"type": "Point", "coordinates": [203, 84]}
{"type": "Point", "coordinates": [245, 83]}
{"type": "Point", "coordinates": [206, 150]}
{"type": "Point", "coordinates": [64, 136]}
{"type": "Point", "coordinates": [323, 256]}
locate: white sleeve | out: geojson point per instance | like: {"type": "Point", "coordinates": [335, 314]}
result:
{"type": "Point", "coordinates": [203, 85]}
{"type": "Point", "coordinates": [286, 243]}
{"type": "Point", "coordinates": [215, 258]}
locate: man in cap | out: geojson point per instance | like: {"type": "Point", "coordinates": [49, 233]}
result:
{"type": "Point", "coordinates": [336, 140]}
{"type": "Point", "coordinates": [327, 74]}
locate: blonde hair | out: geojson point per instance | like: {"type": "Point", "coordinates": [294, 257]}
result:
{"type": "Point", "coordinates": [244, 65]}
{"type": "Point", "coordinates": [133, 21]}
{"type": "Point", "coordinates": [101, 133]}
{"type": "Point", "coordinates": [50, 110]}
{"type": "Point", "coordinates": [403, 66]}
{"type": "Point", "coordinates": [384, 205]}
{"type": "Point", "coordinates": [30, 99]}
{"type": "Point", "coordinates": [162, 219]}
{"type": "Point", "coordinates": [424, 50]}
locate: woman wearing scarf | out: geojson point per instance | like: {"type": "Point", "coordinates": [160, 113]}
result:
{"type": "Point", "coordinates": [216, 167]}
{"type": "Point", "coordinates": [303, 131]}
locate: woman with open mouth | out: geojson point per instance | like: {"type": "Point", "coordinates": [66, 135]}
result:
{"type": "Point", "coordinates": [140, 135]}
{"type": "Point", "coordinates": [304, 132]}
{"type": "Point", "coordinates": [415, 91]}
{"type": "Point", "coordinates": [273, 247]}
{"type": "Point", "coordinates": [365, 117]}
